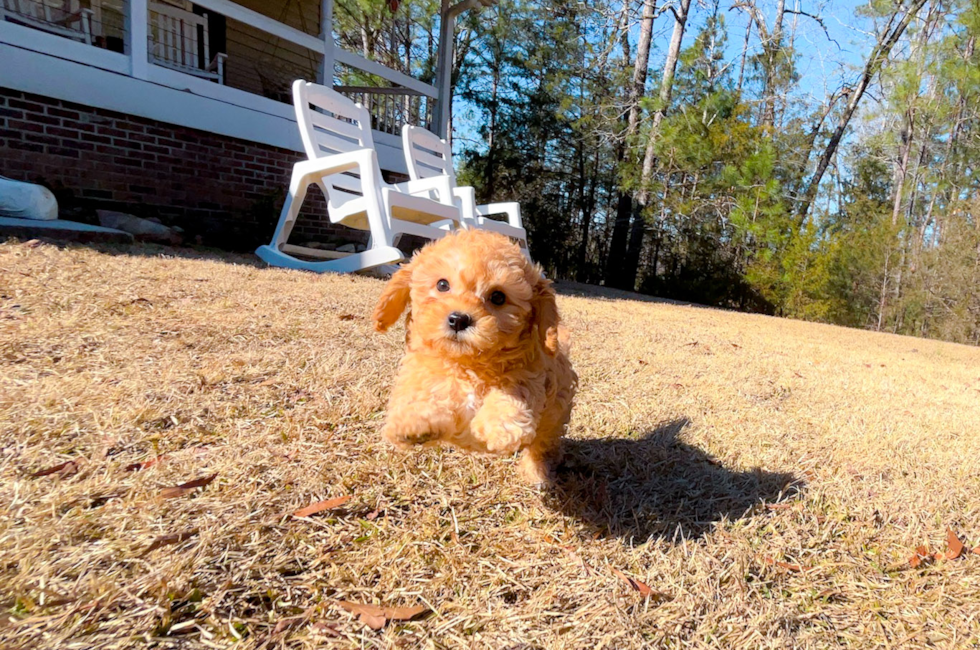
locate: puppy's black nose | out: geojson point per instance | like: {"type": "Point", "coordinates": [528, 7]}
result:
{"type": "Point", "coordinates": [459, 321]}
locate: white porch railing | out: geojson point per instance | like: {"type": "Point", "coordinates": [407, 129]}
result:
{"type": "Point", "coordinates": [250, 86]}
{"type": "Point", "coordinates": [406, 98]}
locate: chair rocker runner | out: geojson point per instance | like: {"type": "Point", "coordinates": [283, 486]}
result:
{"type": "Point", "coordinates": [430, 157]}
{"type": "Point", "coordinates": [342, 162]}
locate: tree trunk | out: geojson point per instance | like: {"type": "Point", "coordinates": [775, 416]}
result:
{"type": "Point", "coordinates": [772, 49]}
{"type": "Point", "coordinates": [902, 166]}
{"type": "Point", "coordinates": [877, 58]}
{"type": "Point", "coordinates": [745, 54]}
{"type": "Point", "coordinates": [624, 205]}
{"type": "Point", "coordinates": [649, 158]}
{"type": "Point", "coordinates": [583, 211]}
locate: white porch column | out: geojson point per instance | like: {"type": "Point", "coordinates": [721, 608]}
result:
{"type": "Point", "coordinates": [137, 21]}
{"type": "Point", "coordinates": [444, 70]}
{"type": "Point", "coordinates": [326, 33]}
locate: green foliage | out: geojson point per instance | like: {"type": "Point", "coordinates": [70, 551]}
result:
{"type": "Point", "coordinates": [548, 83]}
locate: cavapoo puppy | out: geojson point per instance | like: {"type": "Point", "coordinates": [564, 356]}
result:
{"type": "Point", "coordinates": [487, 364]}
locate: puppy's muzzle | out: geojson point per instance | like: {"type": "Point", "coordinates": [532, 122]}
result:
{"type": "Point", "coordinates": [459, 321]}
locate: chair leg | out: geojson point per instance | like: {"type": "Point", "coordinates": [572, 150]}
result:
{"type": "Point", "coordinates": [290, 211]}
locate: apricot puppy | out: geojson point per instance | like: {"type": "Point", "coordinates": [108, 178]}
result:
{"type": "Point", "coordinates": [487, 366]}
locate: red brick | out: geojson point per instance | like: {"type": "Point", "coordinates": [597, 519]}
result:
{"type": "Point", "coordinates": [95, 137]}
{"type": "Point", "coordinates": [30, 106]}
{"type": "Point", "coordinates": [60, 112]}
{"type": "Point", "coordinates": [62, 132]}
{"type": "Point", "coordinates": [20, 125]}
{"type": "Point", "coordinates": [27, 146]}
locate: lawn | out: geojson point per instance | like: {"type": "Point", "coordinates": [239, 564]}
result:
{"type": "Point", "coordinates": [729, 480]}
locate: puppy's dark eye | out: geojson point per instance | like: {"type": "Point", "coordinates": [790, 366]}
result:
{"type": "Point", "coordinates": [442, 285]}
{"type": "Point", "coordinates": [498, 298]}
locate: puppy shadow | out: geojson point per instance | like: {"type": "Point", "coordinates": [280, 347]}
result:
{"type": "Point", "coordinates": [657, 486]}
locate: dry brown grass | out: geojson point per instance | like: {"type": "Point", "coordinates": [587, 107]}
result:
{"type": "Point", "coordinates": [689, 421]}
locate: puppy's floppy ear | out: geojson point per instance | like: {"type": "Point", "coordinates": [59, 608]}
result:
{"type": "Point", "coordinates": [394, 299]}
{"type": "Point", "coordinates": [545, 314]}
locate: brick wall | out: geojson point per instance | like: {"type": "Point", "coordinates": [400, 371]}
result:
{"type": "Point", "coordinates": [226, 191]}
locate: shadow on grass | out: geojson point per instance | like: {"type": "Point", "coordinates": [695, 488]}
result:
{"type": "Point", "coordinates": [581, 290]}
{"type": "Point", "coordinates": [657, 486]}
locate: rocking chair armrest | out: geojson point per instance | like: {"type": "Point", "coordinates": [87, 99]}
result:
{"type": "Point", "coordinates": [217, 62]}
{"type": "Point", "coordinates": [73, 16]}
{"type": "Point", "coordinates": [363, 160]}
{"type": "Point", "coordinates": [511, 208]}
{"type": "Point", "coordinates": [438, 184]}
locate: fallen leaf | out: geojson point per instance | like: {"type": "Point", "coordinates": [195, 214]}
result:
{"type": "Point", "coordinates": [954, 547]}
{"type": "Point", "coordinates": [267, 382]}
{"type": "Point", "coordinates": [32, 243]}
{"type": "Point", "coordinates": [287, 623]}
{"type": "Point", "coordinates": [323, 628]}
{"type": "Point", "coordinates": [173, 538]}
{"type": "Point", "coordinates": [736, 345]}
{"type": "Point", "coordinates": [371, 516]}
{"type": "Point", "coordinates": [66, 469]}
{"type": "Point", "coordinates": [779, 506]}
{"type": "Point", "coordinates": [135, 467]}
{"type": "Point", "coordinates": [977, 550]}
{"type": "Point", "coordinates": [404, 613]}
{"type": "Point", "coordinates": [641, 587]}
{"type": "Point", "coordinates": [348, 317]}
{"type": "Point", "coordinates": [58, 602]}
{"type": "Point", "coordinates": [921, 557]}
{"type": "Point", "coordinates": [795, 568]}
{"type": "Point", "coordinates": [320, 506]}
{"type": "Point", "coordinates": [184, 488]}
{"type": "Point", "coordinates": [375, 617]}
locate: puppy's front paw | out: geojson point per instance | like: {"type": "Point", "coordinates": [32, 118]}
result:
{"type": "Point", "coordinates": [502, 436]}
{"type": "Point", "coordinates": [409, 430]}
{"type": "Point", "coordinates": [536, 470]}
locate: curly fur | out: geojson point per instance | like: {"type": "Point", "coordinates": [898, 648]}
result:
{"type": "Point", "coordinates": [504, 384]}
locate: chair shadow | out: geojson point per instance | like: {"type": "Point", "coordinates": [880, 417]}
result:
{"type": "Point", "coordinates": [657, 487]}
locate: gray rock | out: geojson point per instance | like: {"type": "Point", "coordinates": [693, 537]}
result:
{"type": "Point", "coordinates": [347, 248]}
{"type": "Point", "coordinates": [361, 248]}
{"type": "Point", "coordinates": [142, 229]}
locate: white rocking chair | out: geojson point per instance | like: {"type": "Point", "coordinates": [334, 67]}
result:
{"type": "Point", "coordinates": [62, 17]}
{"type": "Point", "coordinates": [173, 42]}
{"type": "Point", "coordinates": [343, 163]}
{"type": "Point", "coordinates": [430, 157]}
